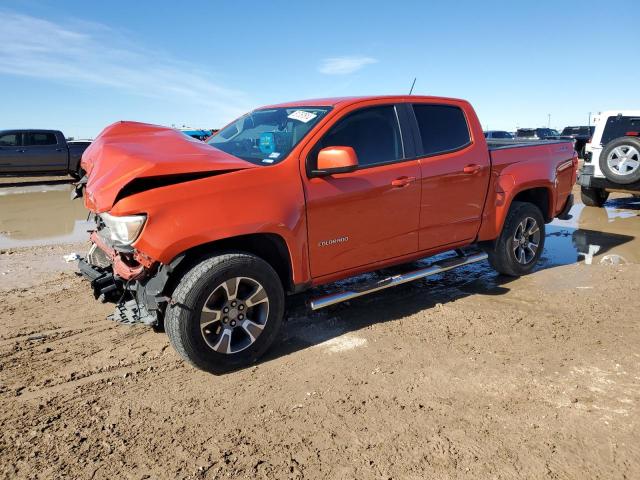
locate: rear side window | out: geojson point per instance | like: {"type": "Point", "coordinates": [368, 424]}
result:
{"type": "Point", "coordinates": [373, 133]}
{"type": "Point", "coordinates": [40, 139]}
{"type": "Point", "coordinates": [442, 127]}
{"type": "Point", "coordinates": [619, 126]}
{"type": "Point", "coordinates": [10, 140]}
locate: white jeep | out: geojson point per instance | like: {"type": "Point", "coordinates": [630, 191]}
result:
{"type": "Point", "coordinates": [612, 160]}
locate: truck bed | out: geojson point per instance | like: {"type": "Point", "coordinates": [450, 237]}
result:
{"type": "Point", "coordinates": [500, 143]}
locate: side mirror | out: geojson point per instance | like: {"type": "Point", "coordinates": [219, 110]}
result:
{"type": "Point", "coordinates": [336, 160]}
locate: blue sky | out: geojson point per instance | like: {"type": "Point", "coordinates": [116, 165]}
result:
{"type": "Point", "coordinates": [78, 65]}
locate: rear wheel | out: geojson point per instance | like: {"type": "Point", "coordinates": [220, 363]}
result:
{"type": "Point", "coordinates": [521, 242]}
{"type": "Point", "coordinates": [593, 197]}
{"type": "Point", "coordinates": [225, 312]}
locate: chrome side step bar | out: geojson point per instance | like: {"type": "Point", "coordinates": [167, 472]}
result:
{"type": "Point", "coordinates": [438, 267]}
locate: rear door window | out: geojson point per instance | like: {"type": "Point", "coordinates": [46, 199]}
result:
{"type": "Point", "coordinates": [619, 126]}
{"type": "Point", "coordinates": [11, 139]}
{"type": "Point", "coordinates": [443, 128]}
{"type": "Point", "coordinates": [36, 139]}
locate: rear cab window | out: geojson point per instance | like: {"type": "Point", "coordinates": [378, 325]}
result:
{"type": "Point", "coordinates": [619, 126]}
{"type": "Point", "coordinates": [442, 128]}
{"type": "Point", "coordinates": [40, 139]}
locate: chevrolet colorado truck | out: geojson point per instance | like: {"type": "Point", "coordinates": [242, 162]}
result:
{"type": "Point", "coordinates": [25, 152]}
{"type": "Point", "coordinates": [207, 239]}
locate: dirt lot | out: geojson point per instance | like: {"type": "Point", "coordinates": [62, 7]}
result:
{"type": "Point", "coordinates": [466, 375]}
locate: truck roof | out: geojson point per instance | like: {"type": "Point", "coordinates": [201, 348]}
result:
{"type": "Point", "coordinates": [334, 101]}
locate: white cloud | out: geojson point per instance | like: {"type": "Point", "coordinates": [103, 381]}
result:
{"type": "Point", "coordinates": [344, 65]}
{"type": "Point", "coordinates": [93, 54]}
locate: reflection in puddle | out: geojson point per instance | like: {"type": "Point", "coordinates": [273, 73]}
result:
{"type": "Point", "coordinates": [595, 235]}
{"type": "Point", "coordinates": [40, 215]}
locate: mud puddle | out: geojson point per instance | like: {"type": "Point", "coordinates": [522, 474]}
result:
{"type": "Point", "coordinates": [609, 235]}
{"type": "Point", "coordinates": [37, 215]}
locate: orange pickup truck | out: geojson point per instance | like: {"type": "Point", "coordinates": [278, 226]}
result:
{"type": "Point", "coordinates": [207, 239]}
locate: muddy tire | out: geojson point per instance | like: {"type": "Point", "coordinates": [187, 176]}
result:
{"type": "Point", "coordinates": [225, 312]}
{"type": "Point", "coordinates": [593, 197]}
{"type": "Point", "coordinates": [519, 246]}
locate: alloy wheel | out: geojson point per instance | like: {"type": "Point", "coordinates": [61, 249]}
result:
{"type": "Point", "coordinates": [526, 240]}
{"type": "Point", "coordinates": [234, 315]}
{"type": "Point", "coordinates": [624, 160]}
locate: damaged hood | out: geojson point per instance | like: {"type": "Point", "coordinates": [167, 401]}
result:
{"type": "Point", "coordinates": [127, 151]}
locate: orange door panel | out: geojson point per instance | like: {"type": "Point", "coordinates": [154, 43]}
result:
{"type": "Point", "coordinates": [454, 187]}
{"type": "Point", "coordinates": [362, 217]}
{"type": "Point", "coordinates": [455, 169]}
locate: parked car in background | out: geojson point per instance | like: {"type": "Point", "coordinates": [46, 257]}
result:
{"type": "Point", "coordinates": [537, 134]}
{"type": "Point", "coordinates": [27, 152]}
{"type": "Point", "coordinates": [207, 239]}
{"type": "Point", "coordinates": [200, 134]}
{"type": "Point", "coordinates": [498, 134]}
{"type": "Point", "coordinates": [612, 159]}
{"type": "Point", "coordinates": [581, 136]}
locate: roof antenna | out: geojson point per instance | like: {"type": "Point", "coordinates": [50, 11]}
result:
{"type": "Point", "coordinates": [412, 85]}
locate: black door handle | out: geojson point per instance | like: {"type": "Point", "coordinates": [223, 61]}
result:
{"type": "Point", "coordinates": [20, 151]}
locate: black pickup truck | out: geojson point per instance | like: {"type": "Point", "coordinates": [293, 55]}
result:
{"type": "Point", "coordinates": [35, 152]}
{"type": "Point", "coordinates": [579, 135]}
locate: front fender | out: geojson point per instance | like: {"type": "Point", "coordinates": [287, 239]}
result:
{"type": "Point", "coordinates": [187, 215]}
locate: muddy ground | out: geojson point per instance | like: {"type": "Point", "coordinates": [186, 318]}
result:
{"type": "Point", "coordinates": [465, 375]}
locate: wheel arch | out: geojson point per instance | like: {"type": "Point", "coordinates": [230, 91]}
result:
{"type": "Point", "coordinates": [270, 247]}
{"type": "Point", "coordinates": [541, 197]}
{"type": "Point", "coordinates": [498, 205]}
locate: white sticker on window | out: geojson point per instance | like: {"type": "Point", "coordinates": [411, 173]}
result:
{"type": "Point", "coordinates": [274, 155]}
{"type": "Point", "coordinates": [267, 160]}
{"type": "Point", "coordinates": [302, 116]}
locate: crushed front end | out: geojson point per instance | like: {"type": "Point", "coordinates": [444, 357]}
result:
{"type": "Point", "coordinates": [120, 274]}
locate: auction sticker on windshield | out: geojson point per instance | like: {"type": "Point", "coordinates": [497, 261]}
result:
{"type": "Point", "coordinates": [302, 116]}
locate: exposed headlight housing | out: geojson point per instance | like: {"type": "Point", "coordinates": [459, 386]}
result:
{"type": "Point", "coordinates": [123, 230]}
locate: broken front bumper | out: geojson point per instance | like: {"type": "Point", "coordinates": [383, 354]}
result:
{"type": "Point", "coordinates": [138, 291]}
{"type": "Point", "coordinates": [105, 286]}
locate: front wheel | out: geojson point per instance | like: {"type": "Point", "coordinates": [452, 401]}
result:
{"type": "Point", "coordinates": [520, 244]}
{"type": "Point", "coordinates": [225, 312]}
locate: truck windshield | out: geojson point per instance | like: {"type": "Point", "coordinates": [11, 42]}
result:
{"type": "Point", "coordinates": [267, 136]}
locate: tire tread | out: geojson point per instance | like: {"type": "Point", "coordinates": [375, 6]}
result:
{"type": "Point", "coordinates": [187, 292]}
